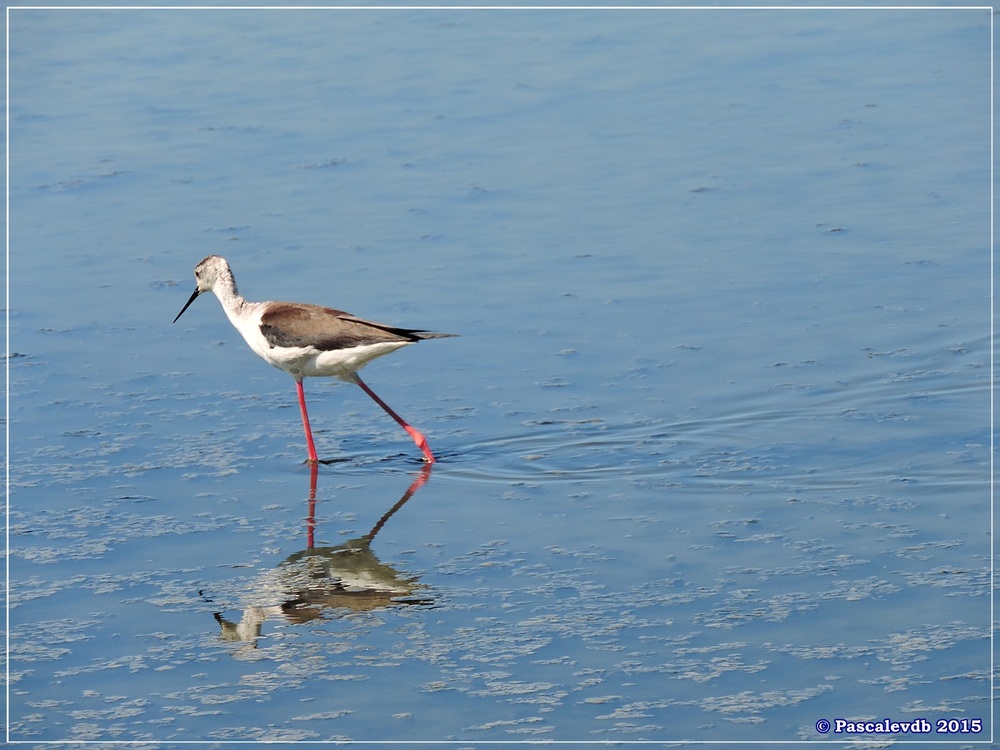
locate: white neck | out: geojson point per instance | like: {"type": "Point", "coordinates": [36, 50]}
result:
{"type": "Point", "coordinates": [225, 289]}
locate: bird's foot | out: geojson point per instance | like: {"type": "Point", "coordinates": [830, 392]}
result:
{"type": "Point", "coordinates": [421, 442]}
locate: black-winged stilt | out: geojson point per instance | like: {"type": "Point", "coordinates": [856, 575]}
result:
{"type": "Point", "coordinates": [308, 340]}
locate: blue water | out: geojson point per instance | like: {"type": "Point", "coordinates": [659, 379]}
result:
{"type": "Point", "coordinates": [714, 437]}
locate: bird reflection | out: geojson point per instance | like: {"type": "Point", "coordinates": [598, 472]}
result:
{"type": "Point", "coordinates": [318, 581]}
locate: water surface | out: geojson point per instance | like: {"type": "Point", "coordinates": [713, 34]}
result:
{"type": "Point", "coordinates": [714, 438]}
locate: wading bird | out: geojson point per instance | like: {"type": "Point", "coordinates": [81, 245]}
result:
{"type": "Point", "coordinates": [308, 340]}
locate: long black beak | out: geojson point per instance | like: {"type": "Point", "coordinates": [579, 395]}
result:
{"type": "Point", "coordinates": [188, 303]}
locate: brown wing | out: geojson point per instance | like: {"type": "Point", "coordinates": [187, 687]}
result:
{"type": "Point", "coordinates": [326, 329]}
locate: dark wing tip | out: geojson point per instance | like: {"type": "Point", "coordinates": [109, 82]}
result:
{"type": "Point", "coordinates": [431, 335]}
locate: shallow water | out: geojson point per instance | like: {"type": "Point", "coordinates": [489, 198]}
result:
{"type": "Point", "coordinates": [714, 440]}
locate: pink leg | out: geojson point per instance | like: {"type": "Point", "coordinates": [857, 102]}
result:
{"type": "Point", "coordinates": [305, 422]}
{"type": "Point", "coordinates": [418, 438]}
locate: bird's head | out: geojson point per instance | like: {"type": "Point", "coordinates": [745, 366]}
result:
{"type": "Point", "coordinates": [206, 274]}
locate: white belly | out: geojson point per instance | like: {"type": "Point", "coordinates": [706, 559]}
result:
{"type": "Point", "coordinates": [307, 362]}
